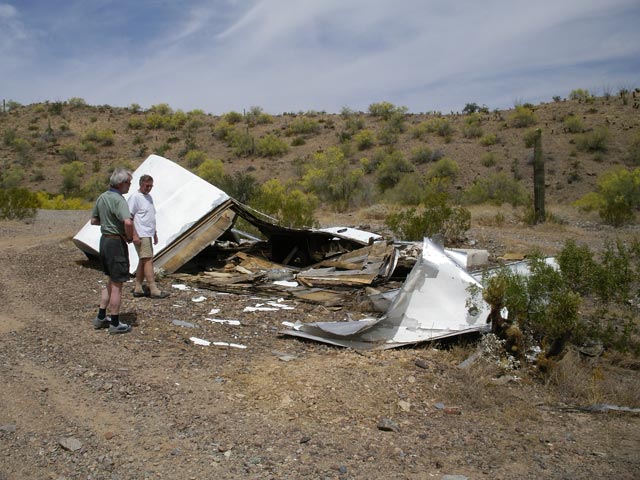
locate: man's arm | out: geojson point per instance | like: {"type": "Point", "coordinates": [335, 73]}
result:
{"type": "Point", "coordinates": [128, 229]}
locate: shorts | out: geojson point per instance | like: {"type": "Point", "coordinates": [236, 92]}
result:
{"type": "Point", "coordinates": [114, 256]}
{"type": "Point", "coordinates": [145, 249]}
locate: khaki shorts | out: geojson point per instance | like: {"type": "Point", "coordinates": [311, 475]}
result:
{"type": "Point", "coordinates": [145, 249]}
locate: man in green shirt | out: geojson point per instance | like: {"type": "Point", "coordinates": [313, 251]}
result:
{"type": "Point", "coordinates": [111, 212]}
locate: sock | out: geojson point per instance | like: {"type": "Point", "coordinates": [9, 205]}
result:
{"type": "Point", "coordinates": [102, 313]}
{"type": "Point", "coordinates": [115, 320]}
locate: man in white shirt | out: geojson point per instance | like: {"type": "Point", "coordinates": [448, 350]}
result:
{"type": "Point", "coordinates": [144, 237]}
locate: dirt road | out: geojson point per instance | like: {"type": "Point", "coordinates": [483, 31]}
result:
{"type": "Point", "coordinates": [76, 403]}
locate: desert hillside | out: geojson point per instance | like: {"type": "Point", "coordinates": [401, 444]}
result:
{"type": "Point", "coordinates": [581, 138]}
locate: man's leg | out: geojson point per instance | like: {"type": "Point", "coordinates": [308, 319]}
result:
{"type": "Point", "coordinates": [115, 299]}
{"type": "Point", "coordinates": [140, 274]}
{"type": "Point", "coordinates": [150, 277]}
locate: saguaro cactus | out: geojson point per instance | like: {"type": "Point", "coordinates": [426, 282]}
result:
{"type": "Point", "coordinates": [538, 179]}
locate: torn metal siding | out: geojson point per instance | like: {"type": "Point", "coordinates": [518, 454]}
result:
{"type": "Point", "coordinates": [430, 305]}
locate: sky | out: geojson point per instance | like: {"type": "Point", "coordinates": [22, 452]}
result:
{"type": "Point", "coordinates": [316, 55]}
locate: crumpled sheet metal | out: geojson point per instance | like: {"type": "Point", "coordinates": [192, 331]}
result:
{"type": "Point", "coordinates": [430, 305]}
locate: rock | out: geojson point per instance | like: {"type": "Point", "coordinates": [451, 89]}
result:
{"type": "Point", "coordinates": [421, 363]}
{"type": "Point", "coordinates": [71, 444]}
{"type": "Point", "coordinates": [305, 439]}
{"type": "Point", "coordinates": [439, 405]}
{"type": "Point", "coordinates": [404, 406]}
{"type": "Point", "coordinates": [387, 425]}
{"type": "Point", "coordinates": [452, 411]}
{"type": "Point", "coordinates": [10, 428]}
{"type": "Point", "coordinates": [109, 435]}
{"type": "Point", "coordinates": [453, 477]}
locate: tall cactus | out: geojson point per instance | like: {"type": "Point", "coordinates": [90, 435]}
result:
{"type": "Point", "coordinates": [538, 179]}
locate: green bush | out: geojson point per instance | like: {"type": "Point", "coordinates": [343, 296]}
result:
{"type": "Point", "coordinates": [330, 177]}
{"type": "Point", "coordinates": [76, 102]}
{"type": "Point", "coordinates": [303, 126]}
{"type": "Point", "coordinates": [387, 136]}
{"type": "Point", "coordinates": [11, 177]}
{"type": "Point", "coordinates": [489, 139]}
{"type": "Point", "coordinates": [595, 141]}
{"type": "Point", "coordinates": [573, 124]}
{"type": "Point", "coordinates": [271, 146]}
{"type": "Point", "coordinates": [72, 174]}
{"type": "Point", "coordinates": [634, 151]}
{"type": "Point", "coordinates": [488, 159]}
{"type": "Point", "coordinates": [522, 117]}
{"type": "Point", "coordinates": [364, 139]}
{"type": "Point", "coordinates": [580, 94]}
{"type": "Point", "coordinates": [617, 196]}
{"type": "Point", "coordinates": [410, 190]}
{"type": "Point", "coordinates": [232, 117]}
{"type": "Point", "coordinates": [101, 137]}
{"type": "Point", "coordinates": [195, 158]}
{"type": "Point", "coordinates": [212, 171]}
{"type": "Point", "coordinates": [68, 153]}
{"type": "Point", "coordinates": [497, 188]}
{"type": "Point", "coordinates": [439, 126]}
{"type": "Point", "coordinates": [59, 202]}
{"type": "Point", "coordinates": [255, 116]}
{"type": "Point", "coordinates": [436, 217]}
{"type": "Point", "coordinates": [288, 205]}
{"type": "Point", "coordinates": [224, 131]}
{"type": "Point", "coordinates": [242, 143]}
{"type": "Point", "coordinates": [389, 171]}
{"type": "Point", "coordinates": [17, 203]}
{"type": "Point", "coordinates": [240, 186]}
{"type": "Point", "coordinates": [385, 110]}
{"type": "Point", "coordinates": [161, 109]}
{"type": "Point", "coordinates": [135, 124]}
{"type": "Point", "coordinates": [421, 155]}
{"type": "Point", "coordinates": [444, 168]}
{"type": "Point", "coordinates": [419, 132]}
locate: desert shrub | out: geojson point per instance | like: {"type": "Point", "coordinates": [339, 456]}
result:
{"type": "Point", "coordinates": [331, 178]}
{"type": "Point", "coordinates": [9, 136]}
{"type": "Point", "coordinates": [12, 105]}
{"type": "Point", "coordinates": [298, 141]}
{"type": "Point", "coordinates": [11, 177]}
{"type": "Point", "coordinates": [364, 139]}
{"type": "Point", "coordinates": [436, 217]}
{"type": "Point", "coordinates": [68, 153]}
{"type": "Point", "coordinates": [161, 109]}
{"type": "Point", "coordinates": [396, 122]}
{"type": "Point", "coordinates": [580, 94]}
{"type": "Point", "coordinates": [472, 126]}
{"type": "Point", "coordinates": [421, 155]}
{"type": "Point", "coordinates": [354, 124]}
{"type": "Point", "coordinates": [617, 196]}
{"type": "Point", "coordinates": [522, 117]}
{"type": "Point", "coordinates": [385, 110]}
{"type": "Point", "coordinates": [240, 186]}
{"type": "Point", "coordinates": [212, 171]}
{"type": "Point", "coordinates": [497, 188]}
{"type": "Point", "coordinates": [135, 108]}
{"type": "Point", "coordinates": [391, 169]}
{"type": "Point", "coordinates": [223, 131]}
{"type": "Point", "coordinates": [88, 147]}
{"type": "Point", "coordinates": [55, 108]}
{"type": "Point", "coordinates": [22, 149]}
{"type": "Point", "coordinates": [232, 117]}
{"type": "Point", "coordinates": [288, 205]}
{"type": "Point", "coordinates": [488, 159]}
{"type": "Point", "coordinates": [573, 124]}
{"type": "Point", "coordinates": [72, 174]}
{"type": "Point", "coordinates": [440, 126]}
{"type": "Point", "coordinates": [489, 139]}
{"type": "Point", "coordinates": [17, 203]}
{"type": "Point", "coordinates": [101, 137]}
{"type": "Point", "coordinates": [444, 168]}
{"type": "Point", "coordinates": [634, 151]}
{"type": "Point", "coordinates": [303, 126]}
{"type": "Point", "coordinates": [387, 136]}
{"type": "Point", "coordinates": [470, 108]}
{"type": "Point", "coordinates": [409, 190]}
{"type": "Point", "coordinates": [135, 124]}
{"type": "Point", "coordinates": [47, 201]}
{"type": "Point", "coordinates": [256, 116]}
{"type": "Point", "coordinates": [242, 143]}
{"type": "Point", "coordinates": [271, 146]}
{"type": "Point", "coordinates": [419, 131]}
{"type": "Point", "coordinates": [194, 158]}
{"type": "Point", "coordinates": [155, 121]}
{"type": "Point", "coordinates": [76, 102]}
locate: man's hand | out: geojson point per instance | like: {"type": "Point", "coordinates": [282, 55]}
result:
{"type": "Point", "coordinates": [136, 240]}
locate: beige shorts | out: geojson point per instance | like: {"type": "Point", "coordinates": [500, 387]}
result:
{"type": "Point", "coordinates": [145, 249]}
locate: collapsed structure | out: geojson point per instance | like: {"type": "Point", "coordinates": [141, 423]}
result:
{"type": "Point", "coordinates": [198, 232]}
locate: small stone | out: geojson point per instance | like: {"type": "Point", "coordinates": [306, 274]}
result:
{"type": "Point", "coordinates": [109, 435]}
{"type": "Point", "coordinates": [305, 439]}
{"type": "Point", "coordinates": [342, 469]}
{"type": "Point", "coordinates": [421, 363]}
{"type": "Point", "coordinates": [453, 477]}
{"type": "Point", "coordinates": [387, 425]}
{"type": "Point", "coordinates": [404, 406]}
{"type": "Point", "coordinates": [10, 428]}
{"type": "Point", "coordinates": [71, 444]}
{"type": "Point", "coordinates": [453, 411]}
{"type": "Point", "coordinates": [439, 405]}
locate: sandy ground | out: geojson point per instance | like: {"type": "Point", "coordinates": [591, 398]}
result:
{"type": "Point", "coordinates": [77, 403]}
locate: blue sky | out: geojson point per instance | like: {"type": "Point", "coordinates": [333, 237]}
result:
{"type": "Point", "coordinates": [300, 55]}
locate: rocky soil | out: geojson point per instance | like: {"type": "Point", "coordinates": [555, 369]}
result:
{"type": "Point", "coordinates": [77, 403]}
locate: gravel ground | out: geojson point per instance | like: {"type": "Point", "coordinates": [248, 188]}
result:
{"type": "Point", "coordinates": [77, 403]}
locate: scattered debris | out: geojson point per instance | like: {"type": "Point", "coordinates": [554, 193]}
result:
{"type": "Point", "coordinates": [387, 425]}
{"type": "Point", "coordinates": [71, 444]}
{"type": "Point", "coordinates": [182, 323]}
